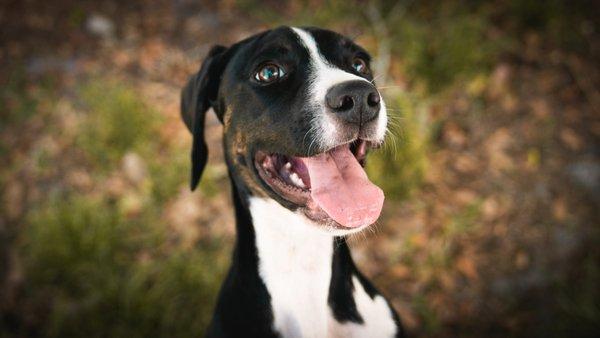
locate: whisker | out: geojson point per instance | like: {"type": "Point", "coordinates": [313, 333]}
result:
{"type": "Point", "coordinates": [389, 139]}
{"type": "Point", "coordinates": [391, 143]}
{"type": "Point", "coordinates": [393, 130]}
{"type": "Point", "coordinates": [374, 229]}
{"type": "Point", "coordinates": [355, 36]}
{"type": "Point", "coordinates": [313, 139]}
{"type": "Point", "coordinates": [308, 132]}
{"type": "Point", "coordinates": [375, 78]}
{"type": "Point", "coordinates": [395, 119]}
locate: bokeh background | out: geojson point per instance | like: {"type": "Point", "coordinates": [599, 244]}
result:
{"type": "Point", "coordinates": [491, 172]}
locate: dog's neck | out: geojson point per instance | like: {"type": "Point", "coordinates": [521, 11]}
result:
{"type": "Point", "coordinates": [290, 279]}
{"type": "Point", "coordinates": [295, 263]}
{"type": "Point", "coordinates": [304, 272]}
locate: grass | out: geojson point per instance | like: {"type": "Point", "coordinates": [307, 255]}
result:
{"type": "Point", "coordinates": [441, 50]}
{"type": "Point", "coordinates": [105, 274]}
{"type": "Point", "coordinates": [104, 264]}
{"type": "Point", "coordinates": [116, 122]}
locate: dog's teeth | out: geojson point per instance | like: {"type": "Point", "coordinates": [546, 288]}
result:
{"type": "Point", "coordinates": [284, 173]}
{"type": "Point", "coordinates": [286, 170]}
{"type": "Point", "coordinates": [297, 180]}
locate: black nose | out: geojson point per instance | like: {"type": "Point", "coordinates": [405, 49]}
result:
{"type": "Point", "coordinates": [356, 102]}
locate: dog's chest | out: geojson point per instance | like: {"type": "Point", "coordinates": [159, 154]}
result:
{"type": "Point", "coordinates": [295, 261]}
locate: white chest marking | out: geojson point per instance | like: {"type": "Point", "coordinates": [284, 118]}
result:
{"type": "Point", "coordinates": [295, 265]}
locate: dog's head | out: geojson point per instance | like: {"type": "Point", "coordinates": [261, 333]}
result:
{"type": "Point", "coordinates": [300, 111]}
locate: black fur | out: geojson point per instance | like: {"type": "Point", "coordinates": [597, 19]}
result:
{"type": "Point", "coordinates": [198, 95]}
{"type": "Point", "coordinates": [243, 307]}
{"type": "Point", "coordinates": [341, 299]}
{"type": "Point", "coordinates": [271, 118]}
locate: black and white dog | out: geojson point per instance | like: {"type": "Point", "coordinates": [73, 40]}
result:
{"type": "Point", "coordinates": [300, 112]}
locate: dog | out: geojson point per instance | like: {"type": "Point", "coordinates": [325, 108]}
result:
{"type": "Point", "coordinates": [300, 111]}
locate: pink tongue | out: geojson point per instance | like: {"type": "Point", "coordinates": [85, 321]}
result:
{"type": "Point", "coordinates": [340, 186]}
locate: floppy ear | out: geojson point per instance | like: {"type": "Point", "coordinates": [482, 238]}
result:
{"type": "Point", "coordinates": [197, 96]}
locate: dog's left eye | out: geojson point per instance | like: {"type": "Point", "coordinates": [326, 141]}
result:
{"type": "Point", "coordinates": [269, 73]}
{"type": "Point", "coordinates": [360, 65]}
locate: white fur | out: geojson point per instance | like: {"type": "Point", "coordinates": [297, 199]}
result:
{"type": "Point", "coordinates": [323, 76]}
{"type": "Point", "coordinates": [295, 257]}
{"type": "Point", "coordinates": [376, 313]}
{"type": "Point", "coordinates": [295, 265]}
{"type": "Point", "coordinates": [382, 121]}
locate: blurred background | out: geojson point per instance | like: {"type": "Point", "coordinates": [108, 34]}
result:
{"type": "Point", "coordinates": [491, 172]}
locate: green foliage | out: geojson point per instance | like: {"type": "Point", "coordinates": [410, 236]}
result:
{"type": "Point", "coordinates": [166, 180]}
{"type": "Point", "coordinates": [399, 167]}
{"type": "Point", "coordinates": [567, 24]}
{"type": "Point", "coordinates": [106, 265]}
{"type": "Point", "coordinates": [214, 178]}
{"type": "Point", "coordinates": [16, 99]}
{"type": "Point", "coordinates": [439, 51]}
{"type": "Point", "coordinates": [20, 100]}
{"type": "Point", "coordinates": [306, 13]}
{"type": "Point", "coordinates": [117, 121]}
{"type": "Point", "coordinates": [431, 322]}
{"type": "Point", "coordinates": [463, 222]}
{"type": "Point", "coordinates": [104, 274]}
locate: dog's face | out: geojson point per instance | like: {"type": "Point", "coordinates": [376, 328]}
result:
{"type": "Point", "coordinates": [300, 112]}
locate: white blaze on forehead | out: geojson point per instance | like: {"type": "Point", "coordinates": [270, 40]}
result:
{"type": "Point", "coordinates": [323, 75]}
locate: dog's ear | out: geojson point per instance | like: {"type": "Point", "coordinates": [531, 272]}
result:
{"type": "Point", "coordinates": [197, 96]}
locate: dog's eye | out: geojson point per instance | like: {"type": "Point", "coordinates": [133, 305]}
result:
{"type": "Point", "coordinates": [359, 65]}
{"type": "Point", "coordinates": [269, 73]}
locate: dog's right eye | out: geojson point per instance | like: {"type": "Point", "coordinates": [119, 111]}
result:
{"type": "Point", "coordinates": [269, 73]}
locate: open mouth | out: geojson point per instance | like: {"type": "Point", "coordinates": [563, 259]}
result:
{"type": "Point", "coordinates": [331, 186]}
